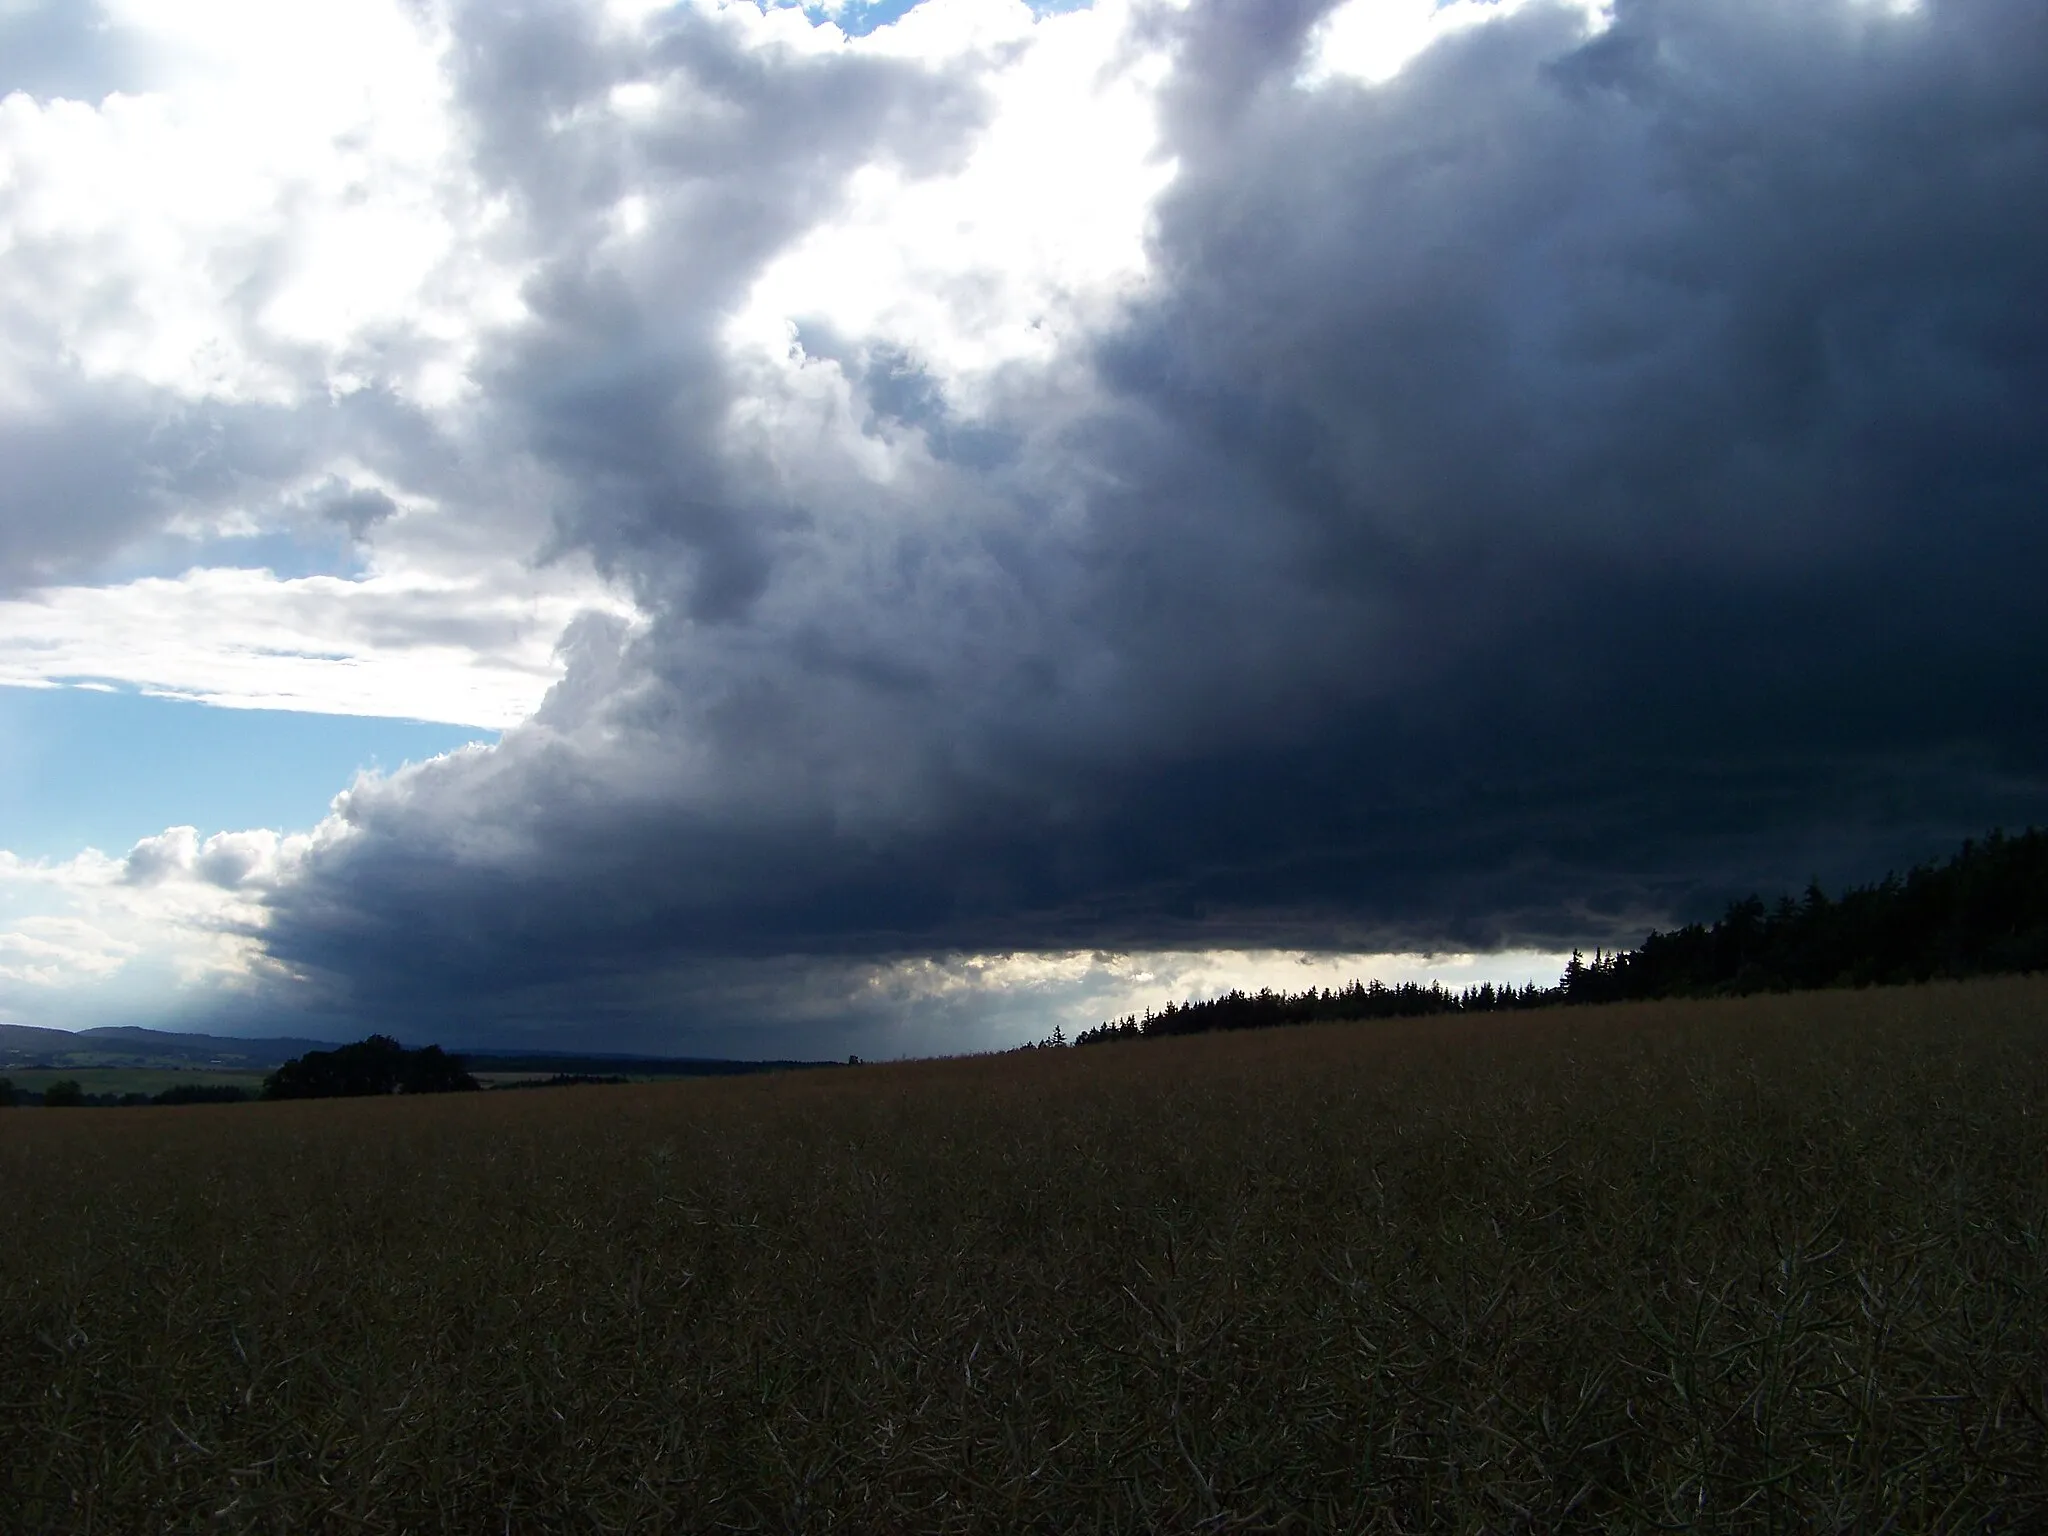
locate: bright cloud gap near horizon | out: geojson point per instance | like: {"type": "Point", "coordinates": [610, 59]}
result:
{"type": "Point", "coordinates": [886, 526]}
{"type": "Point", "coordinates": [1015, 998]}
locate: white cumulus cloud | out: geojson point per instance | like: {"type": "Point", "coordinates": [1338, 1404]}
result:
{"type": "Point", "coordinates": [467, 652]}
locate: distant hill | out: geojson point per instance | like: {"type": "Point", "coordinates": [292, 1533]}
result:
{"type": "Point", "coordinates": [126, 1046]}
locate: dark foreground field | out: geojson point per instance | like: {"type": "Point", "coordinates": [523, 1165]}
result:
{"type": "Point", "coordinates": [1771, 1264]}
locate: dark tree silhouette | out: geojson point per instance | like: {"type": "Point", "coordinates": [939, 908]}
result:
{"type": "Point", "coordinates": [1266, 1008]}
{"type": "Point", "coordinates": [376, 1065]}
{"type": "Point", "coordinates": [1983, 912]}
{"type": "Point", "coordinates": [63, 1094]}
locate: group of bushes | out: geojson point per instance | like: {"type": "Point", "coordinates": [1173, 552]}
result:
{"type": "Point", "coordinates": [377, 1065]}
{"type": "Point", "coordinates": [66, 1093]}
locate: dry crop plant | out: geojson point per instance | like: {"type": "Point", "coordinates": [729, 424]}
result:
{"type": "Point", "coordinates": [1776, 1263]}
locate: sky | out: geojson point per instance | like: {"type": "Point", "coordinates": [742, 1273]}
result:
{"type": "Point", "coordinates": [750, 530]}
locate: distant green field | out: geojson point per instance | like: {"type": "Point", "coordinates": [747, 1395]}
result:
{"type": "Point", "coordinates": [1770, 1264]}
{"type": "Point", "coordinates": [150, 1080]}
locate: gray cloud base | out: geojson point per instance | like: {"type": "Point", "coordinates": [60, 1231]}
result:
{"type": "Point", "coordinates": [1548, 494]}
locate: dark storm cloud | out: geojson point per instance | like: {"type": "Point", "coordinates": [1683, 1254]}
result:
{"type": "Point", "coordinates": [1550, 493]}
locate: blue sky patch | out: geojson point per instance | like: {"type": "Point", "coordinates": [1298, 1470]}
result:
{"type": "Point", "coordinates": [861, 17]}
{"type": "Point", "coordinates": [83, 768]}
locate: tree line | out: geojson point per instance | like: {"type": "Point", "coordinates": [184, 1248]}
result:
{"type": "Point", "coordinates": [1982, 912]}
{"type": "Point", "coordinates": [376, 1065]}
{"type": "Point", "coordinates": [1267, 1009]}
{"type": "Point", "coordinates": [69, 1093]}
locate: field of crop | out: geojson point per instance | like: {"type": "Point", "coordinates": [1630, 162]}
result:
{"type": "Point", "coordinates": [1775, 1264]}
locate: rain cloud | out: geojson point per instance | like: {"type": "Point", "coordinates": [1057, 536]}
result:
{"type": "Point", "coordinates": [1186, 479]}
